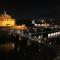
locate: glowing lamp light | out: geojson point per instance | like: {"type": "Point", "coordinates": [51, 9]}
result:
{"type": "Point", "coordinates": [39, 37]}
{"type": "Point", "coordinates": [39, 41]}
{"type": "Point", "coordinates": [52, 34]}
{"type": "Point", "coordinates": [59, 32]}
{"type": "Point", "coordinates": [33, 22]}
{"type": "Point", "coordinates": [29, 33]}
{"type": "Point", "coordinates": [56, 33]}
{"type": "Point", "coordinates": [36, 25]}
{"type": "Point", "coordinates": [50, 43]}
{"type": "Point", "coordinates": [49, 35]}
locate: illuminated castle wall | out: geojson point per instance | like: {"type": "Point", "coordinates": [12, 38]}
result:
{"type": "Point", "coordinates": [6, 20]}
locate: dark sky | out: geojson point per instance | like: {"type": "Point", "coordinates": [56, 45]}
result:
{"type": "Point", "coordinates": [31, 9]}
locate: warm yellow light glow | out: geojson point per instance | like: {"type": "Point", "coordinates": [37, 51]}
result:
{"type": "Point", "coordinates": [20, 27]}
{"type": "Point", "coordinates": [6, 20]}
{"type": "Point", "coordinates": [7, 47]}
{"type": "Point", "coordinates": [7, 23]}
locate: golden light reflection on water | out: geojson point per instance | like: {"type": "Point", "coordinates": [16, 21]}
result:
{"type": "Point", "coordinates": [7, 47]}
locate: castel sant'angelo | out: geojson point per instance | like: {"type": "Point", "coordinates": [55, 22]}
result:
{"type": "Point", "coordinates": [7, 21]}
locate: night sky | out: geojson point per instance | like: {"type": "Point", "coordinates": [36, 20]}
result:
{"type": "Point", "coordinates": [31, 9]}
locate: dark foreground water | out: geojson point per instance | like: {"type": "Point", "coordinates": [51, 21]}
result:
{"type": "Point", "coordinates": [30, 53]}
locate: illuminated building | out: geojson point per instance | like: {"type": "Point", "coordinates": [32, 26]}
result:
{"type": "Point", "coordinates": [19, 27]}
{"type": "Point", "coordinates": [6, 20]}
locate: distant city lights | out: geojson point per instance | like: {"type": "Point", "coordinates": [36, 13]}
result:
{"type": "Point", "coordinates": [55, 34]}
